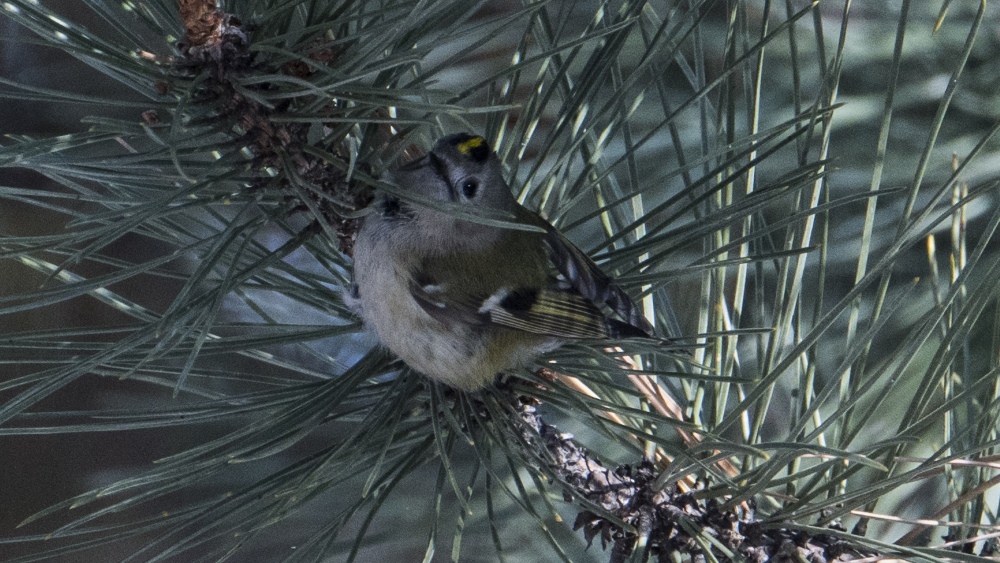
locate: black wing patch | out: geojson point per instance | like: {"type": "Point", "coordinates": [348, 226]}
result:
{"type": "Point", "coordinates": [570, 309]}
{"type": "Point", "coordinates": [557, 312]}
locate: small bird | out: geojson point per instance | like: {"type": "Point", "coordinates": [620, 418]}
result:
{"type": "Point", "coordinates": [461, 301]}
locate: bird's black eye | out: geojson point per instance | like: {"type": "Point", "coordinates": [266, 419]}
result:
{"type": "Point", "coordinates": [469, 187]}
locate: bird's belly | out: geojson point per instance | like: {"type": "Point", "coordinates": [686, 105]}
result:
{"type": "Point", "coordinates": [454, 354]}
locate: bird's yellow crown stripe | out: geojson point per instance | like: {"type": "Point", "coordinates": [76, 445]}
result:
{"type": "Point", "coordinates": [466, 147]}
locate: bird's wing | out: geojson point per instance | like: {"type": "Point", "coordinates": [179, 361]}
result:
{"type": "Point", "coordinates": [587, 279]}
{"type": "Point", "coordinates": [567, 308]}
{"type": "Point", "coordinates": [553, 311]}
{"type": "Point", "coordinates": [556, 312]}
{"type": "Point", "coordinates": [445, 306]}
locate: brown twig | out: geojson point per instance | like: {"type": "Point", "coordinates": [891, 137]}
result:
{"type": "Point", "coordinates": [665, 522]}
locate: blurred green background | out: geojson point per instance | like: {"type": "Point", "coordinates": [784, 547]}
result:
{"type": "Point", "coordinates": [38, 471]}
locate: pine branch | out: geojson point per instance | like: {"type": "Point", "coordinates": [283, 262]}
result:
{"type": "Point", "coordinates": [219, 43]}
{"type": "Point", "coordinates": [639, 516]}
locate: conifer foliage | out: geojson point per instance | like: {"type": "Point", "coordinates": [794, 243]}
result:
{"type": "Point", "coordinates": [798, 194]}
